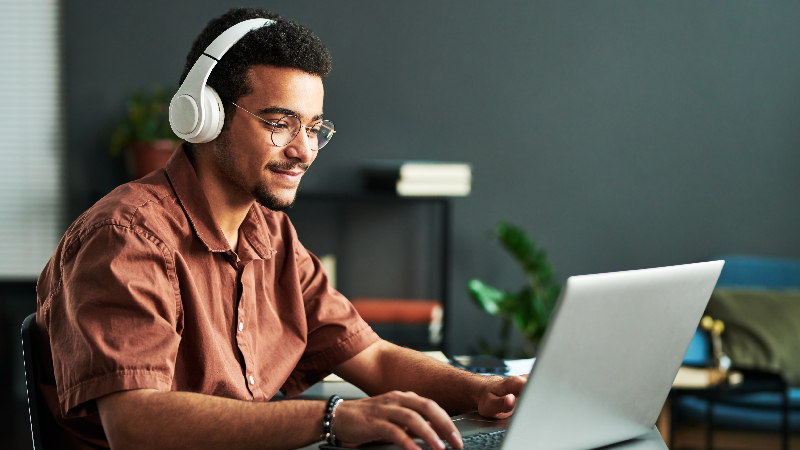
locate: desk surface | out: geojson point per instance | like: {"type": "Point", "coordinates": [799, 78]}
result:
{"type": "Point", "coordinates": [323, 391]}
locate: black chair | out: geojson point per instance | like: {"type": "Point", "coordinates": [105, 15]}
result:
{"type": "Point", "coordinates": [35, 400]}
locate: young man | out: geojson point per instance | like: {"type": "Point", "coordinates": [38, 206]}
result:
{"type": "Point", "coordinates": [179, 304]}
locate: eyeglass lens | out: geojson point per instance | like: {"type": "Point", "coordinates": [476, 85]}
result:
{"type": "Point", "coordinates": [288, 127]}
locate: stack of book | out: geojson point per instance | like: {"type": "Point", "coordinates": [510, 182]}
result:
{"type": "Point", "coordinates": [419, 178]}
{"type": "Point", "coordinates": [414, 323]}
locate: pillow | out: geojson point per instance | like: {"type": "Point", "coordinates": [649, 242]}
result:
{"type": "Point", "coordinates": [762, 329]}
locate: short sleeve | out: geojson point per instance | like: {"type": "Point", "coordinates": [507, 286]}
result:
{"type": "Point", "coordinates": [115, 323]}
{"type": "Point", "coordinates": [336, 332]}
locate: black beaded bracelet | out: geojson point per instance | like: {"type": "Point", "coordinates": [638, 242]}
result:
{"type": "Point", "coordinates": [327, 422]}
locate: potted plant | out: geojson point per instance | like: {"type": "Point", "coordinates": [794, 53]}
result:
{"type": "Point", "coordinates": [145, 134]}
{"type": "Point", "coordinates": [527, 309]}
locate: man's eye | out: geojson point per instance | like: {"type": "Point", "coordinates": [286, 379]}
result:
{"type": "Point", "coordinates": [279, 126]}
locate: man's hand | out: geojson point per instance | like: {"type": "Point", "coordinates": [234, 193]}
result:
{"type": "Point", "coordinates": [396, 417]}
{"type": "Point", "coordinates": [499, 399]}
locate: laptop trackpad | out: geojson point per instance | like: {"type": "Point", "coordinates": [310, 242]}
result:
{"type": "Point", "coordinates": [474, 423]}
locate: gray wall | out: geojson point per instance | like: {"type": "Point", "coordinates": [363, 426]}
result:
{"type": "Point", "coordinates": [620, 134]}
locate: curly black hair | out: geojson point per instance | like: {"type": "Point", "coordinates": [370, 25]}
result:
{"type": "Point", "coordinates": [282, 44]}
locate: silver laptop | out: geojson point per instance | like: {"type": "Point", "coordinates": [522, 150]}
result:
{"type": "Point", "coordinates": [607, 360]}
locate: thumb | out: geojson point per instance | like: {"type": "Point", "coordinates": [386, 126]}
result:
{"type": "Point", "coordinates": [498, 407]}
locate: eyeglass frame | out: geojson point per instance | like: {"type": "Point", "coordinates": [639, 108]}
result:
{"type": "Point", "coordinates": [274, 124]}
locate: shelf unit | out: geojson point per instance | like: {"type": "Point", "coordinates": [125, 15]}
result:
{"type": "Point", "coordinates": [385, 245]}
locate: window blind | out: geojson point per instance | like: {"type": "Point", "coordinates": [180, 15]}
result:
{"type": "Point", "coordinates": [31, 184]}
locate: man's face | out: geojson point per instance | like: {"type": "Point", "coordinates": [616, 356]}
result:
{"type": "Point", "coordinates": [245, 154]}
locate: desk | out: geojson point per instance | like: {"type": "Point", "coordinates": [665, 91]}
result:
{"type": "Point", "coordinates": [324, 390]}
{"type": "Point", "coordinates": [650, 441]}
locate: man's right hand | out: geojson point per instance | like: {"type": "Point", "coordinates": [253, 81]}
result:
{"type": "Point", "coordinates": [396, 417]}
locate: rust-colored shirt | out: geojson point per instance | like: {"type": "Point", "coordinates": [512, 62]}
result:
{"type": "Point", "coordinates": [144, 292]}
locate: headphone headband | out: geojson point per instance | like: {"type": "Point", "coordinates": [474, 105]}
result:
{"type": "Point", "coordinates": [196, 113]}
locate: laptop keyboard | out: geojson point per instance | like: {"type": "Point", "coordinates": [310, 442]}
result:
{"type": "Point", "coordinates": [483, 441]}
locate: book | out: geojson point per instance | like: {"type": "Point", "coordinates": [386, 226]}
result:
{"type": "Point", "coordinates": [702, 378]}
{"type": "Point", "coordinates": [431, 188]}
{"type": "Point", "coordinates": [406, 311]}
{"type": "Point", "coordinates": [418, 178]}
{"type": "Point", "coordinates": [414, 323]}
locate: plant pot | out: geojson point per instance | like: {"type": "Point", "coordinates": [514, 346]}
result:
{"type": "Point", "coordinates": [145, 157]}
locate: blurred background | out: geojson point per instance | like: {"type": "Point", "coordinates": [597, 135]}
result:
{"type": "Point", "coordinates": [620, 135]}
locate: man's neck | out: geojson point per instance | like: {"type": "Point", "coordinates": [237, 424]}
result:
{"type": "Point", "coordinates": [229, 205]}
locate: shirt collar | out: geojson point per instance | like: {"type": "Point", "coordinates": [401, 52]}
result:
{"type": "Point", "coordinates": [254, 229]}
{"type": "Point", "coordinates": [191, 196]}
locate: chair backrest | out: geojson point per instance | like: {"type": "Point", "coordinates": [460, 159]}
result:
{"type": "Point", "coordinates": [29, 350]}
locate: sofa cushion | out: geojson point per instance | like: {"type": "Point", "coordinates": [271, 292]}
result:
{"type": "Point", "coordinates": [762, 329]}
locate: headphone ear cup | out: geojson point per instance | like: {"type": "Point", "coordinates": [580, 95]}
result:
{"type": "Point", "coordinates": [214, 117]}
{"type": "Point", "coordinates": [183, 115]}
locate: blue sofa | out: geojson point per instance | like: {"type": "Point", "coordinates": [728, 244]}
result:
{"type": "Point", "coordinates": [756, 411]}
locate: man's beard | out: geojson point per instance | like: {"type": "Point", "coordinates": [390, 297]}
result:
{"type": "Point", "coordinates": [261, 192]}
{"type": "Point", "coordinates": [268, 200]}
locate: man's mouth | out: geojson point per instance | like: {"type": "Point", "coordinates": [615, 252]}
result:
{"type": "Point", "coordinates": [288, 172]}
{"type": "Point", "coordinates": [292, 171]}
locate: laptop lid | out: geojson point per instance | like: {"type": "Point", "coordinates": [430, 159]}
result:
{"type": "Point", "coordinates": [609, 356]}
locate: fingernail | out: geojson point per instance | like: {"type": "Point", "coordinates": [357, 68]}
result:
{"type": "Point", "coordinates": [457, 439]}
{"type": "Point", "coordinates": [440, 443]}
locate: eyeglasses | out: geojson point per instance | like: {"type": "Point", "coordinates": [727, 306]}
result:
{"type": "Point", "coordinates": [284, 130]}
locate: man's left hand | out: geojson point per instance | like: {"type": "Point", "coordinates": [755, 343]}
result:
{"type": "Point", "coordinates": [499, 398]}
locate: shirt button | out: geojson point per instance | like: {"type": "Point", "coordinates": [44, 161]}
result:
{"type": "Point", "coordinates": [241, 326]}
{"type": "Point", "coordinates": [252, 380]}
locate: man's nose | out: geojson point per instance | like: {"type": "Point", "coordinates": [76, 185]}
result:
{"type": "Point", "coordinates": [300, 147]}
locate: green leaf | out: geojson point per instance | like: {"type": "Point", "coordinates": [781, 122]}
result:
{"type": "Point", "coordinates": [530, 308]}
{"type": "Point", "coordinates": [517, 242]}
{"type": "Point", "coordinates": [486, 297]}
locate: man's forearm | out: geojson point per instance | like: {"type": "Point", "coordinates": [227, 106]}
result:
{"type": "Point", "coordinates": [153, 419]}
{"type": "Point", "coordinates": [395, 368]}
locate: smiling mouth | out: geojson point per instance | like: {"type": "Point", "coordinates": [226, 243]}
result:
{"type": "Point", "coordinates": [291, 173]}
{"type": "Point", "coordinates": [288, 168]}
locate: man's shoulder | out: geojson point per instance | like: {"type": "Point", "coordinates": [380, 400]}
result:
{"type": "Point", "coordinates": [145, 203]}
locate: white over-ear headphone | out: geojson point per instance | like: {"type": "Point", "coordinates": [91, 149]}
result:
{"type": "Point", "coordinates": [195, 112]}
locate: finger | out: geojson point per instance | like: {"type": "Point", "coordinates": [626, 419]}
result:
{"type": "Point", "coordinates": [512, 385]}
{"type": "Point", "coordinates": [439, 419]}
{"type": "Point", "coordinates": [415, 425]}
{"type": "Point", "coordinates": [509, 403]}
{"type": "Point", "coordinates": [498, 407]}
{"type": "Point", "coordinates": [454, 439]}
{"type": "Point", "coordinates": [396, 435]}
